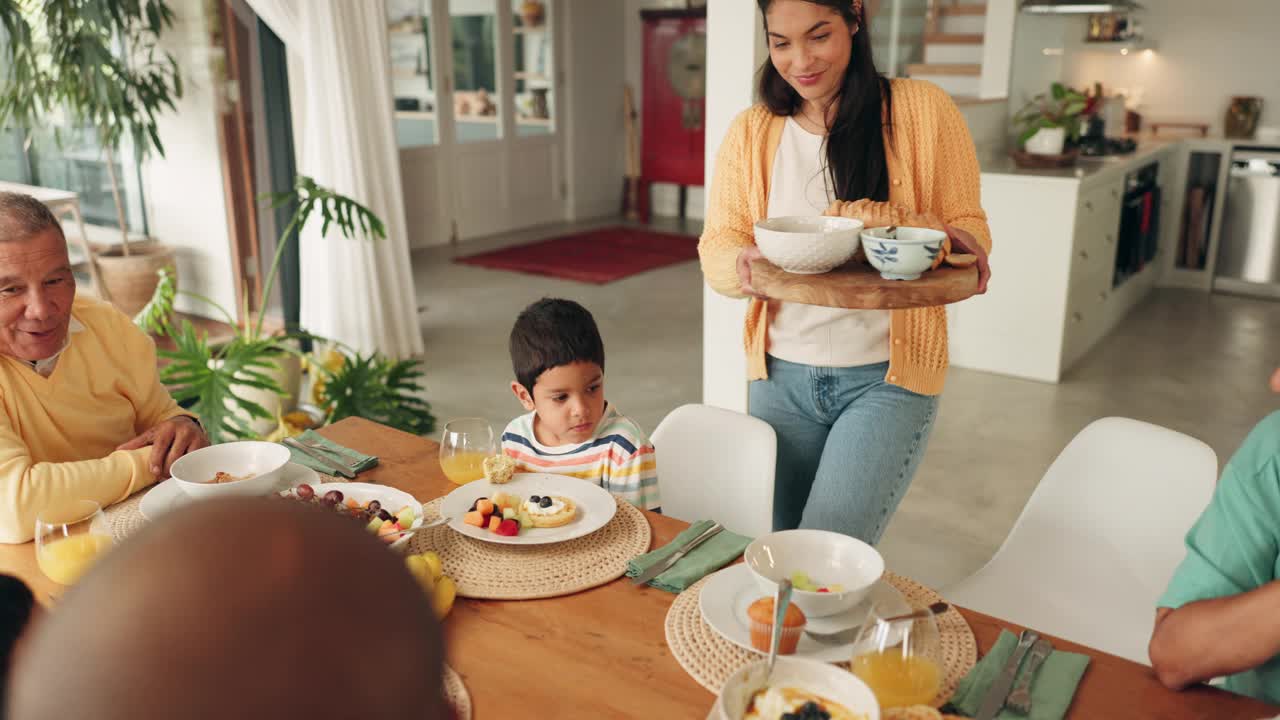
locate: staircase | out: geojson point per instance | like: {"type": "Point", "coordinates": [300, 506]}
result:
{"type": "Point", "coordinates": [953, 41]}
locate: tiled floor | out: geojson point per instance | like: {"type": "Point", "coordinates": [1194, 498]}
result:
{"type": "Point", "coordinates": [1193, 362]}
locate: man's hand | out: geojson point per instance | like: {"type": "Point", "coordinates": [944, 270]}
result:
{"type": "Point", "coordinates": [169, 441]}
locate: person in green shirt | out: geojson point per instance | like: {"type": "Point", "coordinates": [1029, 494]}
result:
{"type": "Point", "coordinates": [1218, 617]}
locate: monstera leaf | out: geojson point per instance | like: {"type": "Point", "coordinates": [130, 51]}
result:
{"type": "Point", "coordinates": [378, 389]}
{"type": "Point", "coordinates": [205, 380]}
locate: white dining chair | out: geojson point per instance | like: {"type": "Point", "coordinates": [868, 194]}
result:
{"type": "Point", "coordinates": [1099, 539]}
{"type": "Point", "coordinates": [716, 464]}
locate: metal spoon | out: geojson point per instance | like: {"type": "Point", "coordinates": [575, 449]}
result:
{"type": "Point", "coordinates": [781, 600]}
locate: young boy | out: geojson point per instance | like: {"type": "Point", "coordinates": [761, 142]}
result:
{"type": "Point", "coordinates": [558, 359]}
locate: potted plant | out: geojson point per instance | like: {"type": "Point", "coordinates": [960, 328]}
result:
{"type": "Point", "coordinates": [373, 387]}
{"type": "Point", "coordinates": [236, 387]}
{"type": "Point", "coordinates": [532, 13]}
{"type": "Point", "coordinates": [1050, 120]}
{"type": "Point", "coordinates": [63, 57]}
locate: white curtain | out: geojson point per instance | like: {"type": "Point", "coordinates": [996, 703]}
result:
{"type": "Point", "coordinates": [358, 291]}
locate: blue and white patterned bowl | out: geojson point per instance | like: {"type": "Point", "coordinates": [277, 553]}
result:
{"type": "Point", "coordinates": [904, 255]}
{"type": "Point", "coordinates": [808, 245]}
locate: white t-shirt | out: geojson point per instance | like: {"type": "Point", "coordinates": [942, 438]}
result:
{"type": "Point", "coordinates": [810, 334]}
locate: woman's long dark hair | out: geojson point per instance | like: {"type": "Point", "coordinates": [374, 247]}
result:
{"type": "Point", "coordinates": [855, 141]}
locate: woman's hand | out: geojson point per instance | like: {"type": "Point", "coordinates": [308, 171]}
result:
{"type": "Point", "coordinates": [964, 242]}
{"type": "Point", "coordinates": [1275, 381]}
{"type": "Point", "coordinates": [749, 253]}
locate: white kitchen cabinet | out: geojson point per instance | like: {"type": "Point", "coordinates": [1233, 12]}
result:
{"type": "Point", "coordinates": [1051, 298]}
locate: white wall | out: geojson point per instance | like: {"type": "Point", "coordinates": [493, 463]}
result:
{"type": "Point", "coordinates": [594, 134]}
{"type": "Point", "coordinates": [1206, 52]}
{"type": "Point", "coordinates": [734, 51]}
{"type": "Point", "coordinates": [665, 197]}
{"type": "Point", "coordinates": [1038, 47]}
{"type": "Point", "coordinates": [186, 205]}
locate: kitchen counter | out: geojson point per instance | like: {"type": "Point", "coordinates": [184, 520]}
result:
{"type": "Point", "coordinates": [998, 162]}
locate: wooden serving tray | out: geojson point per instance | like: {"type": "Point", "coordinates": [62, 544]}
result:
{"type": "Point", "coordinates": [857, 286]}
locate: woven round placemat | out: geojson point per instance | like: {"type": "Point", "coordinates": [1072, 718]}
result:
{"type": "Point", "coordinates": [710, 659]}
{"type": "Point", "coordinates": [492, 571]}
{"type": "Point", "coordinates": [456, 694]}
{"type": "Point", "coordinates": [125, 517]}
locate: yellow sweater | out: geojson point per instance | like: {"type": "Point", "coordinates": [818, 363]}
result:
{"type": "Point", "coordinates": [58, 434]}
{"type": "Point", "coordinates": [933, 170]}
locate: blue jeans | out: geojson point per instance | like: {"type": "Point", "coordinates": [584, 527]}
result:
{"type": "Point", "coordinates": [848, 445]}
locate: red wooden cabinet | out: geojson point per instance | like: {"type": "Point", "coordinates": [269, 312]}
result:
{"type": "Point", "coordinates": [674, 101]}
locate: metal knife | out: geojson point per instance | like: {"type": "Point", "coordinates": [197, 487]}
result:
{"type": "Point", "coordinates": [993, 701]}
{"type": "Point", "coordinates": [337, 468]}
{"type": "Point", "coordinates": [667, 564]}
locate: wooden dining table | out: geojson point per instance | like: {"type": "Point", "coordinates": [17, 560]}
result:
{"type": "Point", "coordinates": [603, 652]}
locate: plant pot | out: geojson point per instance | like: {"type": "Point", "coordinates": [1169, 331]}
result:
{"type": "Point", "coordinates": [1047, 141]}
{"type": "Point", "coordinates": [288, 374]}
{"type": "Point", "coordinates": [130, 281]}
{"type": "Point", "coordinates": [532, 13]}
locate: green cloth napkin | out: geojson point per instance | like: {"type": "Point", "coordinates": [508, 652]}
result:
{"type": "Point", "coordinates": [1052, 688]}
{"type": "Point", "coordinates": [706, 558]}
{"type": "Point", "coordinates": [357, 461]}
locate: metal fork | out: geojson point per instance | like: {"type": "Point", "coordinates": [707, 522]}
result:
{"type": "Point", "coordinates": [337, 456]}
{"type": "Point", "coordinates": [1019, 700]}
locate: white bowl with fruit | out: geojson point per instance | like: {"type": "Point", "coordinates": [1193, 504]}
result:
{"type": "Point", "coordinates": [392, 515]}
{"type": "Point", "coordinates": [830, 572]}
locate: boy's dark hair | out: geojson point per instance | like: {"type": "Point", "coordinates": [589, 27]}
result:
{"type": "Point", "coordinates": [16, 606]}
{"type": "Point", "coordinates": [551, 333]}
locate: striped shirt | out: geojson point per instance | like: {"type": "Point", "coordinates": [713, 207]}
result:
{"type": "Point", "coordinates": [619, 459]}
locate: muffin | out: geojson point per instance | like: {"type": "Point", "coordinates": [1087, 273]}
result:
{"type": "Point", "coordinates": [760, 613]}
{"type": "Point", "coordinates": [499, 469]}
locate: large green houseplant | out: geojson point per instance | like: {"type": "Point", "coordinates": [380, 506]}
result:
{"type": "Point", "coordinates": [214, 380]}
{"type": "Point", "coordinates": [101, 63]}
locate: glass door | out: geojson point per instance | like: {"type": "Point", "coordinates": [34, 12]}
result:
{"type": "Point", "coordinates": [475, 87]}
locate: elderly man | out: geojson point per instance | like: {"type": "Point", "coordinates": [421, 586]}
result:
{"type": "Point", "coordinates": [1218, 616]}
{"type": "Point", "coordinates": [82, 412]}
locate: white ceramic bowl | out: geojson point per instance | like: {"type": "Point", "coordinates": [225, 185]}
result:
{"type": "Point", "coordinates": [903, 257]}
{"type": "Point", "coordinates": [808, 245]}
{"type": "Point", "coordinates": [263, 460]}
{"type": "Point", "coordinates": [814, 676]}
{"type": "Point", "coordinates": [829, 558]}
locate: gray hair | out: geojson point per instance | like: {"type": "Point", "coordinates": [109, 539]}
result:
{"type": "Point", "coordinates": [23, 217]}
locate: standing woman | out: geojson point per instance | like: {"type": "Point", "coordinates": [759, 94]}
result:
{"type": "Point", "coordinates": [852, 394]}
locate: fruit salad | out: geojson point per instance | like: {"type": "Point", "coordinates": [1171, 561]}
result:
{"type": "Point", "coordinates": [501, 514]}
{"type": "Point", "coordinates": [802, 581]}
{"type": "Point", "coordinates": [387, 526]}
{"type": "Point", "coordinates": [427, 569]}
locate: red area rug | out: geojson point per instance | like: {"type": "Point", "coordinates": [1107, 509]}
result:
{"type": "Point", "coordinates": [598, 256]}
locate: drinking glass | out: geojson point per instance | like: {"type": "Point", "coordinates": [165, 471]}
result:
{"type": "Point", "coordinates": [70, 537]}
{"type": "Point", "coordinates": [901, 661]}
{"type": "Point", "coordinates": [464, 445]}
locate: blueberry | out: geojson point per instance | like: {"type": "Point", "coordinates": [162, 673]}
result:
{"type": "Point", "coordinates": [790, 716]}
{"type": "Point", "coordinates": [546, 502]}
{"type": "Point", "coordinates": [535, 499]}
{"type": "Point", "coordinates": [810, 707]}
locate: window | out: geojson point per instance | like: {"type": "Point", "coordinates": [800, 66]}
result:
{"type": "Point", "coordinates": [476, 102]}
{"type": "Point", "coordinates": [71, 159]}
{"type": "Point", "coordinates": [412, 79]}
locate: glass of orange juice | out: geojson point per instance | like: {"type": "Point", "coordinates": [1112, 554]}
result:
{"type": "Point", "coordinates": [70, 537]}
{"type": "Point", "coordinates": [464, 445]}
{"type": "Point", "coordinates": [901, 660]}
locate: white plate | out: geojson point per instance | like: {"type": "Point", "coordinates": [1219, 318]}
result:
{"type": "Point", "coordinates": [727, 595]}
{"type": "Point", "coordinates": [168, 495]}
{"type": "Point", "coordinates": [595, 507]}
{"type": "Point", "coordinates": [390, 498]}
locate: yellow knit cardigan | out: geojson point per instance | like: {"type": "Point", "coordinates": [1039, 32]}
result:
{"type": "Point", "coordinates": [933, 171]}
